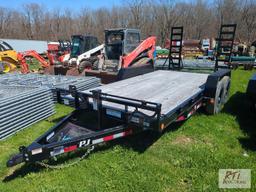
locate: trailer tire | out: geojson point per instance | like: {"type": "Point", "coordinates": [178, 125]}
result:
{"type": "Point", "coordinates": [217, 105]}
{"type": "Point", "coordinates": [226, 86]}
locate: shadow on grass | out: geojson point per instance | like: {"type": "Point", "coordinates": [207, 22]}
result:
{"type": "Point", "coordinates": [62, 160]}
{"type": "Point", "coordinates": [142, 141]}
{"type": "Point", "coordinates": [240, 107]}
{"type": "Point", "coordinates": [139, 142]}
{"type": "Point", "coordinates": [23, 171]}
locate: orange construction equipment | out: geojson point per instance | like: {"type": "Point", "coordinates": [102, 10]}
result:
{"type": "Point", "coordinates": [10, 59]}
{"type": "Point", "coordinates": [32, 53]}
{"type": "Point", "coordinates": [57, 50]}
{"type": "Point", "coordinates": [145, 45]}
{"type": "Point", "coordinates": [124, 56]}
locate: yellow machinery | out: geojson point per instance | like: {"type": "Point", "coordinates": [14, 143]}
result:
{"type": "Point", "coordinates": [6, 67]}
{"type": "Point", "coordinates": [8, 58]}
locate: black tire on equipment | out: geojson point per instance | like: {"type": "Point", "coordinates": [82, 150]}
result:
{"type": "Point", "coordinates": [219, 100]}
{"type": "Point", "coordinates": [83, 65]}
{"type": "Point", "coordinates": [95, 64]}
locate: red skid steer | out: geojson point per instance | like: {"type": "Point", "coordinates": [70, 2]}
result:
{"type": "Point", "coordinates": [123, 56]}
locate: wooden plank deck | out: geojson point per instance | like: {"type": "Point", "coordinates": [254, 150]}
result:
{"type": "Point", "coordinates": [170, 88]}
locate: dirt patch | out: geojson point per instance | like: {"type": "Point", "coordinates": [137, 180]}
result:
{"type": "Point", "coordinates": [182, 140]}
{"type": "Point", "coordinates": [207, 141]}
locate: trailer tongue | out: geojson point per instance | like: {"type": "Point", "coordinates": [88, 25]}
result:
{"type": "Point", "coordinates": [147, 102]}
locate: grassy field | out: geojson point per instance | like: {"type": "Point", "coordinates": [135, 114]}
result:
{"type": "Point", "coordinates": [186, 157]}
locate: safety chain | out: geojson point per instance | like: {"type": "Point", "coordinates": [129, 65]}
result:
{"type": "Point", "coordinates": [89, 150]}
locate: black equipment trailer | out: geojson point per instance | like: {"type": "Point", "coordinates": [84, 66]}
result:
{"type": "Point", "coordinates": [147, 102]}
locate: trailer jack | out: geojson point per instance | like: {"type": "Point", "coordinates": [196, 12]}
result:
{"type": "Point", "coordinates": [15, 160]}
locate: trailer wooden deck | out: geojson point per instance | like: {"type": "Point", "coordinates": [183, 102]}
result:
{"type": "Point", "coordinates": [169, 88]}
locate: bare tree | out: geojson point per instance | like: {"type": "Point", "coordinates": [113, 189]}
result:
{"type": "Point", "coordinates": [27, 21]}
{"type": "Point", "coordinates": [166, 17]}
{"type": "Point", "coordinates": [248, 19]}
{"type": "Point", "coordinates": [153, 17]}
{"type": "Point", "coordinates": [135, 8]}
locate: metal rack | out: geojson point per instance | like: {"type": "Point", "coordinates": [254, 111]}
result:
{"type": "Point", "coordinates": [225, 43]}
{"type": "Point", "coordinates": [52, 82]}
{"type": "Point", "coordinates": [175, 60]}
{"type": "Point", "coordinates": [22, 106]}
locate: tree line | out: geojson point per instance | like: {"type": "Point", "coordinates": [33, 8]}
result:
{"type": "Point", "coordinates": [200, 18]}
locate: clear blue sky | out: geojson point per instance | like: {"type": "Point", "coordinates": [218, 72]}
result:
{"type": "Point", "coordinates": [62, 4]}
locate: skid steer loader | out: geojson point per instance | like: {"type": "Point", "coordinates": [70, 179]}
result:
{"type": "Point", "coordinates": [82, 47]}
{"type": "Point", "coordinates": [123, 55]}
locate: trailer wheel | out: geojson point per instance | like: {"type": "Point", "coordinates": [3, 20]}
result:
{"type": "Point", "coordinates": [217, 104]}
{"type": "Point", "coordinates": [226, 87]}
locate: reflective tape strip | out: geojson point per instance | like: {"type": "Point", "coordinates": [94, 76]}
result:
{"type": "Point", "coordinates": [108, 138]}
{"type": "Point", "coordinates": [111, 137]}
{"type": "Point", "coordinates": [36, 151]}
{"type": "Point", "coordinates": [50, 136]}
{"type": "Point", "coordinates": [96, 141]}
{"type": "Point", "coordinates": [118, 135]}
{"type": "Point", "coordinates": [181, 118]}
{"type": "Point", "coordinates": [199, 105]}
{"type": "Point", "coordinates": [57, 151]}
{"type": "Point", "coordinates": [194, 110]}
{"type": "Point", "coordinates": [70, 148]}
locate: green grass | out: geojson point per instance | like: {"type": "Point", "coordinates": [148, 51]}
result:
{"type": "Point", "coordinates": [34, 65]}
{"type": "Point", "coordinates": [186, 157]}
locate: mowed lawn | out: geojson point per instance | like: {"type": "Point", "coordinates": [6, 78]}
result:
{"type": "Point", "coordinates": [186, 157]}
